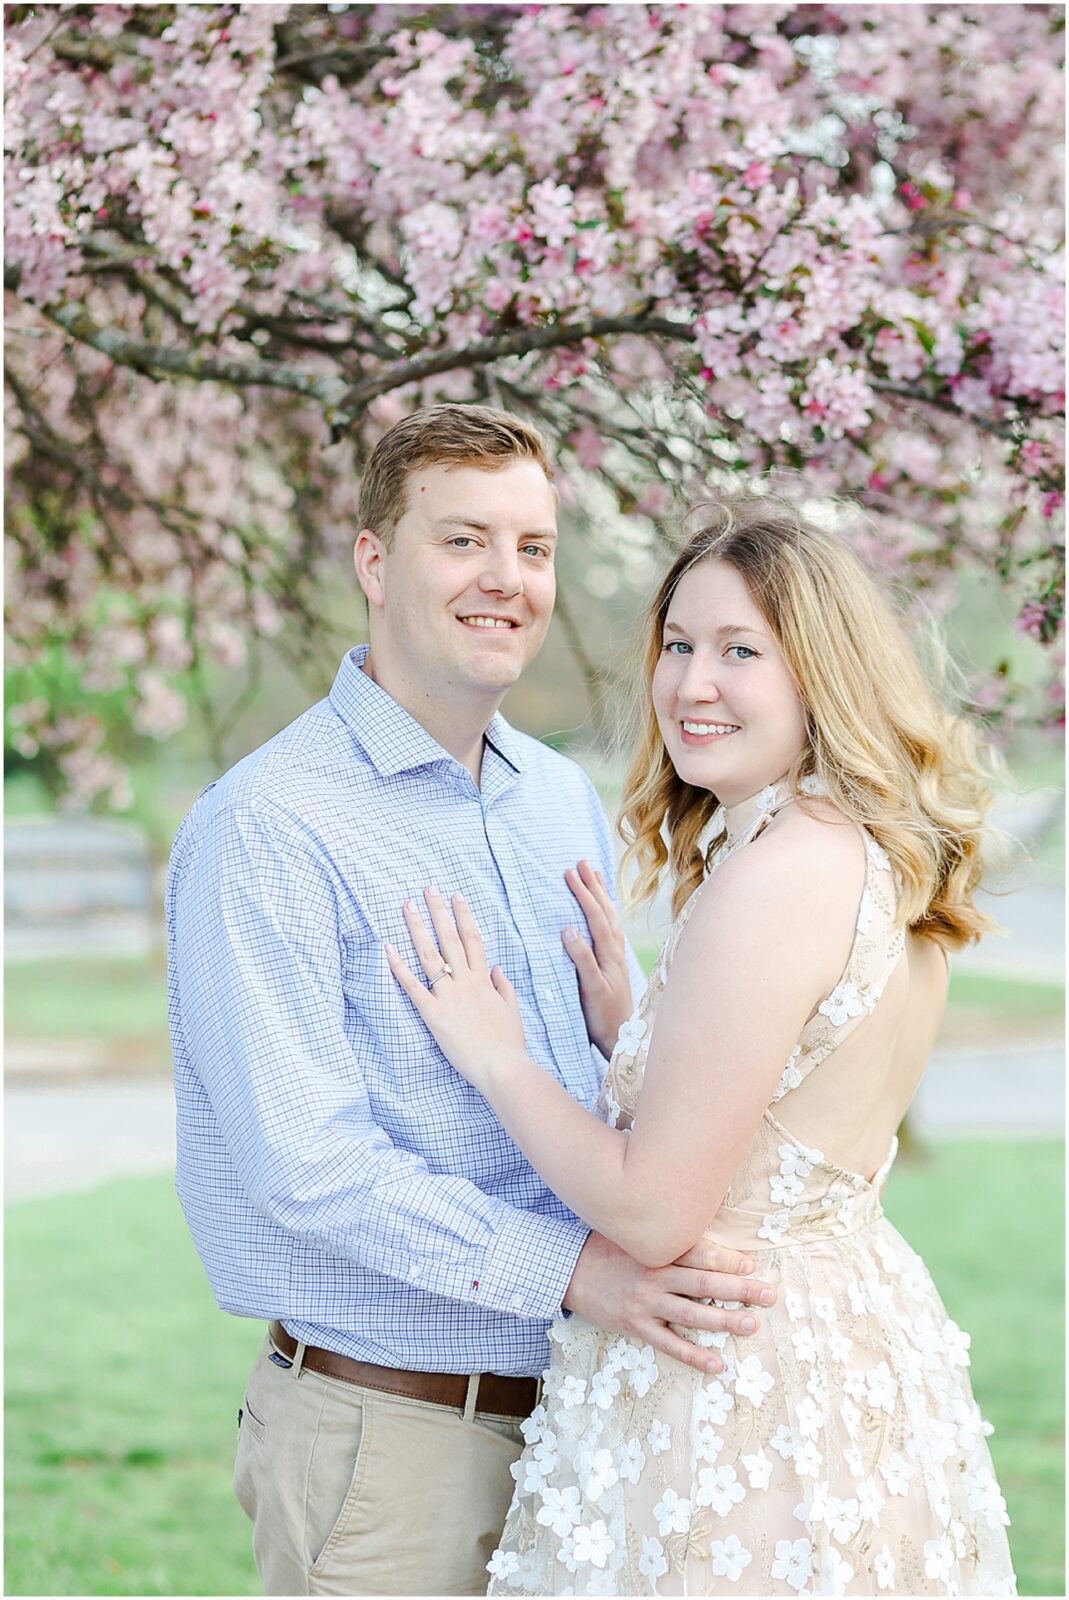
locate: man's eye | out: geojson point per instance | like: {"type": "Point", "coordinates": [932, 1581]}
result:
{"type": "Point", "coordinates": [462, 540]}
{"type": "Point", "coordinates": [535, 550]}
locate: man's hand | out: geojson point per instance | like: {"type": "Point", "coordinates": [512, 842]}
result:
{"type": "Point", "coordinates": [614, 1291]}
{"type": "Point", "coordinates": [604, 981]}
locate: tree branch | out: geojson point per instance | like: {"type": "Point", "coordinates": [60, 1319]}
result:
{"type": "Point", "coordinates": [512, 344]}
{"type": "Point", "coordinates": [942, 403]}
{"type": "Point", "coordinates": [155, 359]}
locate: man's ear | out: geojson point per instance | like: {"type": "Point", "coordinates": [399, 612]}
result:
{"type": "Point", "coordinates": [369, 554]}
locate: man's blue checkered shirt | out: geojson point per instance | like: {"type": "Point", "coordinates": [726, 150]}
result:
{"type": "Point", "coordinates": [334, 1169]}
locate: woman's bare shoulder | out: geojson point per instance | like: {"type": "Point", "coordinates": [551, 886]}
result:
{"type": "Point", "coordinates": [812, 858]}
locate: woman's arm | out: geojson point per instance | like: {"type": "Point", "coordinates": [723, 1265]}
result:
{"type": "Point", "coordinates": [768, 938]}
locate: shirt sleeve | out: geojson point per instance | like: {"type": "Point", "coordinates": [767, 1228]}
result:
{"type": "Point", "coordinates": [609, 868]}
{"type": "Point", "coordinates": [259, 1010]}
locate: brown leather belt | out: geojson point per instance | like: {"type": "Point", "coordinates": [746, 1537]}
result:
{"type": "Point", "coordinates": [497, 1397]}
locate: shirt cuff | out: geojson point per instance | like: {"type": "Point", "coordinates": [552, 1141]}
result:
{"type": "Point", "coordinates": [528, 1266]}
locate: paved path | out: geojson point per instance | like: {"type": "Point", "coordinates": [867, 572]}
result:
{"type": "Point", "coordinates": [62, 1137]}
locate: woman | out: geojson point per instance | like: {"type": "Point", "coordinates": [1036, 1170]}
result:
{"type": "Point", "coordinates": [754, 1095]}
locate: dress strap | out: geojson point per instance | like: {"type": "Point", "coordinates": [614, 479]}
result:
{"type": "Point", "coordinates": [878, 944]}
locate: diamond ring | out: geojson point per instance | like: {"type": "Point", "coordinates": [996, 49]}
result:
{"type": "Point", "coordinates": [446, 972]}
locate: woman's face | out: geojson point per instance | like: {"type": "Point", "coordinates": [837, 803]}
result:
{"type": "Point", "coordinates": [725, 700]}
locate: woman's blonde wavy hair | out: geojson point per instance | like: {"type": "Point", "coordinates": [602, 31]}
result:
{"type": "Point", "coordinates": [888, 755]}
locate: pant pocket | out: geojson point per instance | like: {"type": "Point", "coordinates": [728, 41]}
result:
{"type": "Point", "coordinates": [335, 1476]}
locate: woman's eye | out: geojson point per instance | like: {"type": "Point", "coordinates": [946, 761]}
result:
{"type": "Point", "coordinates": [746, 653]}
{"type": "Point", "coordinates": [677, 647]}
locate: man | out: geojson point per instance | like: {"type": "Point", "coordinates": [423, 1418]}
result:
{"type": "Point", "coordinates": [340, 1180]}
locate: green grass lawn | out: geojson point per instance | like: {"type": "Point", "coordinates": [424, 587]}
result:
{"type": "Point", "coordinates": [125, 998]}
{"type": "Point", "coordinates": [120, 997]}
{"type": "Point", "coordinates": [123, 1379]}
{"type": "Point", "coordinates": [988, 1218]}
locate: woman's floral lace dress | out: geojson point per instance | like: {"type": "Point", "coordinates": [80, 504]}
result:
{"type": "Point", "coordinates": [840, 1452]}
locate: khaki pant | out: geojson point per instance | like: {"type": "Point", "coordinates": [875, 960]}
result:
{"type": "Point", "coordinates": [355, 1492]}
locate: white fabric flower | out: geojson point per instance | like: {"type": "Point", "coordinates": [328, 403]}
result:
{"type": "Point", "coordinates": [643, 1374]}
{"type": "Point", "coordinates": [597, 1472]}
{"type": "Point", "coordinates": [651, 1563]}
{"type": "Point", "coordinates": [707, 1444]}
{"type": "Point", "coordinates": [784, 1191]}
{"type": "Point", "coordinates": [572, 1391]}
{"type": "Point", "coordinates": [631, 1035]}
{"type": "Point", "coordinates": [604, 1387]}
{"type": "Point", "coordinates": [783, 1442]}
{"type": "Point", "coordinates": [659, 1437]}
{"type": "Point", "coordinates": [882, 1390]}
{"type": "Point", "coordinates": [535, 1472]}
{"type": "Point", "coordinates": [844, 1518]}
{"type": "Point", "coordinates": [985, 1497]}
{"type": "Point", "coordinates": [812, 785]}
{"type": "Point", "coordinates": [719, 1487]}
{"type": "Point", "coordinates": [815, 1387]}
{"type": "Point", "coordinates": [896, 1474]}
{"type": "Point", "coordinates": [531, 1427]}
{"type": "Point", "coordinates": [758, 1469]}
{"type": "Point", "coordinates": [808, 1419]}
{"type": "Point", "coordinates": [794, 1305]}
{"type": "Point", "coordinates": [712, 1402]}
{"type": "Point", "coordinates": [884, 1567]}
{"type": "Point", "coordinates": [503, 1563]}
{"type": "Point", "coordinates": [839, 1346]}
{"type": "Point", "coordinates": [843, 1003]}
{"type": "Point", "coordinates": [560, 1510]}
{"type": "Point", "coordinates": [752, 1381]}
{"type": "Point", "coordinates": [854, 1384]}
{"type": "Point", "coordinates": [774, 1226]}
{"type": "Point", "coordinates": [938, 1559]}
{"type": "Point", "coordinates": [793, 1562]}
{"type": "Point", "coordinates": [835, 1572]}
{"type": "Point", "coordinates": [768, 799]}
{"type": "Point", "coordinates": [805, 1344]}
{"type": "Point", "coordinates": [824, 1308]}
{"type": "Point", "coordinates": [622, 1355]}
{"type": "Point", "coordinates": [673, 1514]}
{"type": "Point", "coordinates": [730, 1556]}
{"type": "Point", "coordinates": [791, 1076]}
{"type": "Point", "coordinates": [877, 855]}
{"type": "Point", "coordinates": [956, 1344]}
{"type": "Point", "coordinates": [870, 1502]}
{"type": "Point", "coordinates": [631, 1460]}
{"type": "Point", "coordinates": [807, 1459]}
{"type": "Point", "coordinates": [588, 1543]}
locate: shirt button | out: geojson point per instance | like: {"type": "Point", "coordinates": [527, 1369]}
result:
{"type": "Point", "coordinates": [517, 1303]}
{"type": "Point", "coordinates": [548, 995]}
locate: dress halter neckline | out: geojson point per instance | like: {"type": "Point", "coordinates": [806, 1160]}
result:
{"type": "Point", "coordinates": [749, 812]}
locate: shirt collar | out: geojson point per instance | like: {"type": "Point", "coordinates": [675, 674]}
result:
{"type": "Point", "coordinates": [392, 739]}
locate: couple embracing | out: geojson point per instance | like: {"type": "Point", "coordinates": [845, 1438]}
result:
{"type": "Point", "coordinates": [641, 1329]}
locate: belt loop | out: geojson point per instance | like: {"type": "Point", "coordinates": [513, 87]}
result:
{"type": "Point", "coordinates": [298, 1359]}
{"type": "Point", "coordinates": [473, 1395]}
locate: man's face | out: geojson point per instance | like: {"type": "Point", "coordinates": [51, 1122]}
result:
{"type": "Point", "coordinates": [461, 601]}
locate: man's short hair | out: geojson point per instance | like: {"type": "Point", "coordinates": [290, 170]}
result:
{"type": "Point", "coordinates": [450, 435]}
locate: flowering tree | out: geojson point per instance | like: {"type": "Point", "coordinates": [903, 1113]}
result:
{"type": "Point", "coordinates": [687, 241]}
